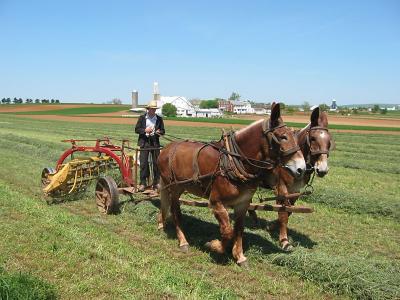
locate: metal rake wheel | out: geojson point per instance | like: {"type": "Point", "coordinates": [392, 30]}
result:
{"type": "Point", "coordinates": [107, 196]}
{"type": "Point", "coordinates": [45, 176]}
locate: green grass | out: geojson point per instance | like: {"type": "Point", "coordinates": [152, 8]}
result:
{"type": "Point", "coordinates": [348, 248]}
{"type": "Point", "coordinates": [361, 278]}
{"type": "Point", "coordinates": [24, 286]}
{"type": "Point", "coordinates": [76, 110]}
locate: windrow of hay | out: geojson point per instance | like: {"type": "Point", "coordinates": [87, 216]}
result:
{"type": "Point", "coordinates": [359, 277]}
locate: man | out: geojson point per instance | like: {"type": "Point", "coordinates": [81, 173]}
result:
{"type": "Point", "coordinates": [149, 127]}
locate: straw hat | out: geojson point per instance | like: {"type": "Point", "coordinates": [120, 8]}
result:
{"type": "Point", "coordinates": [152, 104]}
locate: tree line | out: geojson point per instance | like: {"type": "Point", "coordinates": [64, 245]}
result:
{"type": "Point", "coordinates": [28, 100]}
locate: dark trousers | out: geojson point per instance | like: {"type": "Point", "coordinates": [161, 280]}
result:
{"type": "Point", "coordinates": [144, 165]}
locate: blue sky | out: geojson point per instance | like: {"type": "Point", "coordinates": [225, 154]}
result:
{"type": "Point", "coordinates": [291, 51]}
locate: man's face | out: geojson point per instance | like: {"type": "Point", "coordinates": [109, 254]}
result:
{"type": "Point", "coordinates": [151, 112]}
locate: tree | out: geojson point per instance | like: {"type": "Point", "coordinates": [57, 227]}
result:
{"type": "Point", "coordinates": [384, 111]}
{"type": "Point", "coordinates": [323, 107]}
{"type": "Point", "coordinates": [234, 96]}
{"type": "Point", "coordinates": [306, 105]}
{"type": "Point", "coordinates": [116, 101]}
{"type": "Point", "coordinates": [37, 101]}
{"type": "Point", "coordinates": [209, 104]}
{"type": "Point", "coordinates": [57, 101]}
{"type": "Point", "coordinates": [375, 109]}
{"type": "Point", "coordinates": [169, 110]}
{"type": "Point", "coordinates": [290, 109]}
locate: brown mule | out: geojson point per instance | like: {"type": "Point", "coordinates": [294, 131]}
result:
{"type": "Point", "coordinates": [315, 143]}
{"type": "Point", "coordinates": [203, 170]}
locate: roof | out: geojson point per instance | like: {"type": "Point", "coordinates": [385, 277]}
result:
{"type": "Point", "coordinates": [174, 99]}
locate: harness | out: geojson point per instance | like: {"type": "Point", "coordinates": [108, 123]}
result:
{"type": "Point", "coordinates": [232, 160]}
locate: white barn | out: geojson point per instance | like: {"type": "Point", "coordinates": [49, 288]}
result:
{"type": "Point", "coordinates": [183, 107]}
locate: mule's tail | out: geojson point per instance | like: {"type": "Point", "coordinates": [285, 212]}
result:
{"type": "Point", "coordinates": [165, 201]}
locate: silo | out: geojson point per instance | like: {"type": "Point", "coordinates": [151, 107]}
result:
{"type": "Point", "coordinates": [156, 92]}
{"type": "Point", "coordinates": [135, 98]}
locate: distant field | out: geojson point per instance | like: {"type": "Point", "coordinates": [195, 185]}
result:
{"type": "Point", "coordinates": [76, 110]}
{"type": "Point", "coordinates": [346, 249]}
{"type": "Point", "coordinates": [109, 112]}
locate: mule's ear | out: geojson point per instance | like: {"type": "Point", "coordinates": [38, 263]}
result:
{"type": "Point", "coordinates": [275, 114]}
{"type": "Point", "coordinates": [314, 117]}
{"type": "Point", "coordinates": [323, 119]}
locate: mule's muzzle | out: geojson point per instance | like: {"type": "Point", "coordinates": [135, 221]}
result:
{"type": "Point", "coordinates": [321, 172]}
{"type": "Point", "coordinates": [296, 170]}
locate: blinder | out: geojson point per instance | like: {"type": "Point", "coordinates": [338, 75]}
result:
{"type": "Point", "coordinates": [271, 137]}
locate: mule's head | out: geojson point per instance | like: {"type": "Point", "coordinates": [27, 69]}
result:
{"type": "Point", "coordinates": [318, 142]}
{"type": "Point", "coordinates": [282, 145]}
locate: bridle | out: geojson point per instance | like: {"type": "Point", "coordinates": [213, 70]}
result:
{"type": "Point", "coordinates": [308, 142]}
{"type": "Point", "coordinates": [271, 137]}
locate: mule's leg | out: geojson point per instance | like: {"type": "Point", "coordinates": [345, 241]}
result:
{"type": "Point", "coordinates": [170, 202]}
{"type": "Point", "coordinates": [283, 218]}
{"type": "Point", "coordinates": [165, 206]}
{"type": "Point", "coordinates": [222, 216]}
{"type": "Point", "coordinates": [237, 250]}
{"type": "Point", "coordinates": [253, 216]}
{"type": "Point", "coordinates": [177, 217]}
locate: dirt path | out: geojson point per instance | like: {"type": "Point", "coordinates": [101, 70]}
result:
{"type": "Point", "coordinates": [343, 120]}
{"type": "Point", "coordinates": [132, 121]}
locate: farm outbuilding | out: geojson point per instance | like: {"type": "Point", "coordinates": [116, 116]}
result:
{"type": "Point", "coordinates": [208, 113]}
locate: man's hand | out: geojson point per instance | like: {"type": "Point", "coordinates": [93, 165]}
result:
{"type": "Point", "coordinates": [148, 129]}
{"type": "Point", "coordinates": [158, 131]}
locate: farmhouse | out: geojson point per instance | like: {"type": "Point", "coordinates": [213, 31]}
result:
{"type": "Point", "coordinates": [242, 107]}
{"type": "Point", "coordinates": [225, 105]}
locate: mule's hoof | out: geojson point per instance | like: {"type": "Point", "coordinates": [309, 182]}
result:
{"type": "Point", "coordinates": [160, 226]}
{"type": "Point", "coordinates": [184, 248]}
{"type": "Point", "coordinates": [244, 264]}
{"type": "Point", "coordinates": [287, 247]}
{"type": "Point", "coordinates": [208, 245]}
